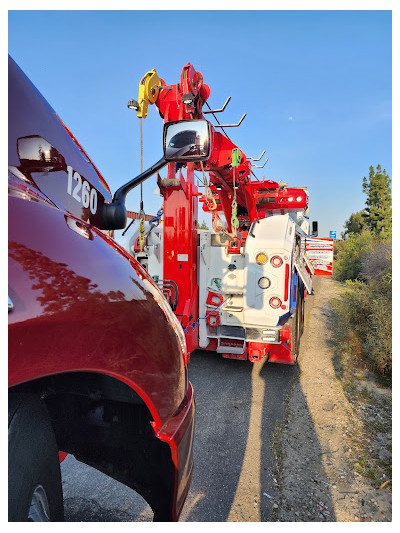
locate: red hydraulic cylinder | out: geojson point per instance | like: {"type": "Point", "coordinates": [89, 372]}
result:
{"type": "Point", "coordinates": [180, 246]}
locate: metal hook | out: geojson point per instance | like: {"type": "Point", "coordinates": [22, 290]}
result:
{"type": "Point", "coordinates": [253, 159]}
{"type": "Point", "coordinates": [219, 110]}
{"type": "Point", "coordinates": [261, 166]}
{"type": "Point", "coordinates": [230, 125]}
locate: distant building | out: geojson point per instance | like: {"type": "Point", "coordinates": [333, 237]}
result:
{"type": "Point", "coordinates": [134, 215]}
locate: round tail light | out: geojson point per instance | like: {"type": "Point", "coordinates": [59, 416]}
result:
{"type": "Point", "coordinates": [276, 261]}
{"type": "Point", "coordinates": [264, 283]}
{"type": "Point", "coordinates": [275, 302]}
{"type": "Point", "coordinates": [261, 258]}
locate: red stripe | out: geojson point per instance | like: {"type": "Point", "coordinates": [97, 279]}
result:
{"type": "Point", "coordinates": [286, 282]}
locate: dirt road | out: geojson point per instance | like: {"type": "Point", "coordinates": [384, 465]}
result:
{"type": "Point", "coordinates": [318, 475]}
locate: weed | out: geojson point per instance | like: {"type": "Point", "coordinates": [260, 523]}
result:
{"type": "Point", "coordinates": [371, 443]}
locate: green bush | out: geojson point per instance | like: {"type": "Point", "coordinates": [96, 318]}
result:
{"type": "Point", "coordinates": [348, 255]}
{"type": "Point", "coordinates": [365, 309]}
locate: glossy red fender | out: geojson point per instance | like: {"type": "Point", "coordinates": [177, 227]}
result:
{"type": "Point", "coordinates": [80, 302]}
{"type": "Point", "coordinates": [81, 305]}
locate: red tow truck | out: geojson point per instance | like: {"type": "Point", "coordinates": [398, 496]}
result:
{"type": "Point", "coordinates": [238, 289]}
{"type": "Point", "coordinates": [97, 359]}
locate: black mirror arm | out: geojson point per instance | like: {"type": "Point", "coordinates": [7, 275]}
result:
{"type": "Point", "coordinates": [114, 214]}
{"type": "Point", "coordinates": [120, 194]}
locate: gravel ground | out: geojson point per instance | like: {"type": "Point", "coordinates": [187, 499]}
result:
{"type": "Point", "coordinates": [318, 464]}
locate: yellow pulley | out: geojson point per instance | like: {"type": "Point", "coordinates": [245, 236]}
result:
{"type": "Point", "coordinates": [148, 91]}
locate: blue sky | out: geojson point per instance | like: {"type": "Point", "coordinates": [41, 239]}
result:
{"type": "Point", "coordinates": [316, 87]}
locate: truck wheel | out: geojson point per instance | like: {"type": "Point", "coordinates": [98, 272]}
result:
{"type": "Point", "coordinates": [302, 289]}
{"type": "Point", "coordinates": [295, 326]}
{"type": "Point", "coordinates": [34, 478]}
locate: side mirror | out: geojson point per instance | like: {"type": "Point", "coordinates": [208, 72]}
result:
{"type": "Point", "coordinates": [184, 140]}
{"type": "Point", "coordinates": [314, 232]}
{"type": "Point", "coordinates": [187, 140]}
{"type": "Point", "coordinates": [38, 155]}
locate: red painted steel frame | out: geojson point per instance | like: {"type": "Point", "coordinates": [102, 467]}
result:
{"type": "Point", "coordinates": [180, 247]}
{"type": "Point", "coordinates": [255, 199]}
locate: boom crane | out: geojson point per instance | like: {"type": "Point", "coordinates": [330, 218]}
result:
{"type": "Point", "coordinates": [214, 312]}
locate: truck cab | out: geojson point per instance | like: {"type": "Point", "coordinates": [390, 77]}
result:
{"type": "Point", "coordinates": [97, 359]}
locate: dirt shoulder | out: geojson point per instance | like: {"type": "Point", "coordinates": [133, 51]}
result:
{"type": "Point", "coordinates": [326, 439]}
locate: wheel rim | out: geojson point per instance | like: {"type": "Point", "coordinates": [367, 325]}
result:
{"type": "Point", "coordinates": [39, 510]}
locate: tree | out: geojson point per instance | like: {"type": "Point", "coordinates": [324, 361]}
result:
{"type": "Point", "coordinates": [355, 224]}
{"type": "Point", "coordinates": [378, 211]}
{"type": "Point", "coordinates": [203, 225]}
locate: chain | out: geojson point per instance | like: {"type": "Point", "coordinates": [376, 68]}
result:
{"type": "Point", "coordinates": [234, 218]}
{"type": "Point", "coordinates": [210, 200]}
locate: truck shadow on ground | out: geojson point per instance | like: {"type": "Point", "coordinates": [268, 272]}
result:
{"type": "Point", "coordinates": [238, 405]}
{"type": "Point", "coordinates": [307, 495]}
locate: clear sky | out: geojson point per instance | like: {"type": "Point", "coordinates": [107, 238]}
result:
{"type": "Point", "coordinates": [316, 87]}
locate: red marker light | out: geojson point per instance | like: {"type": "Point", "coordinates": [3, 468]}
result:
{"type": "Point", "coordinates": [275, 302]}
{"type": "Point", "coordinates": [276, 261]}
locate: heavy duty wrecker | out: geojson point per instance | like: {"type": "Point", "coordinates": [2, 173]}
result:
{"type": "Point", "coordinates": [238, 290]}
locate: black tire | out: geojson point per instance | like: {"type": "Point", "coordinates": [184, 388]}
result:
{"type": "Point", "coordinates": [296, 324]}
{"type": "Point", "coordinates": [302, 289]}
{"type": "Point", "coordinates": [34, 478]}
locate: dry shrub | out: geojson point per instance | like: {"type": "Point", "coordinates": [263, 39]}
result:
{"type": "Point", "coordinates": [366, 306]}
{"type": "Point", "coordinates": [368, 312]}
{"type": "Point", "coordinates": [377, 263]}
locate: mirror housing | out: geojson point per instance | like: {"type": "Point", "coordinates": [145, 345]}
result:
{"type": "Point", "coordinates": [187, 140]}
{"type": "Point", "coordinates": [314, 230]}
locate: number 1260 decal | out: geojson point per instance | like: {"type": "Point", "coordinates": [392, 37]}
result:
{"type": "Point", "coordinates": [88, 196]}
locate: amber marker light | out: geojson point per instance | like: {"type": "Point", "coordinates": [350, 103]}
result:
{"type": "Point", "coordinates": [261, 258]}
